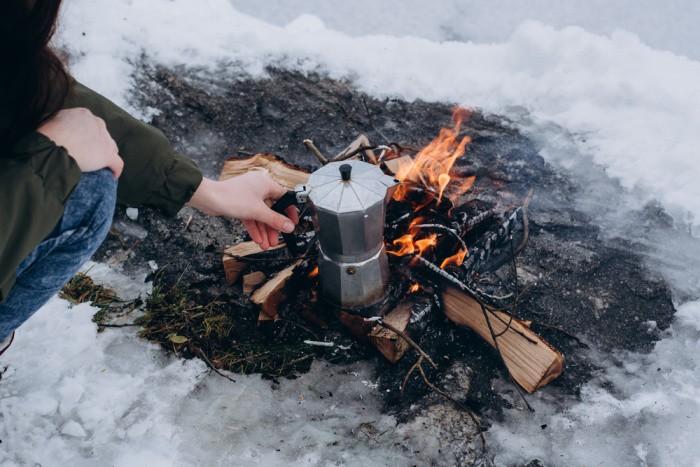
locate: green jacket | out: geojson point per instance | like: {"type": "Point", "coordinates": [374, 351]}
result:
{"type": "Point", "coordinates": [37, 177]}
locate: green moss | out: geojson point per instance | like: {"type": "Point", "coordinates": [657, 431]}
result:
{"type": "Point", "coordinates": [177, 319]}
{"type": "Point", "coordinates": [82, 289]}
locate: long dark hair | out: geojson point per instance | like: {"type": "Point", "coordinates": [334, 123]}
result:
{"type": "Point", "coordinates": [33, 81]}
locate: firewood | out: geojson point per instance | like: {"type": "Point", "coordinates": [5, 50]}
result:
{"type": "Point", "coordinates": [234, 264]}
{"type": "Point", "coordinates": [252, 280]}
{"type": "Point", "coordinates": [530, 360]}
{"type": "Point", "coordinates": [390, 344]}
{"type": "Point", "coordinates": [272, 293]}
{"type": "Point", "coordinates": [285, 174]}
{"type": "Point", "coordinates": [396, 164]}
{"type": "Point", "coordinates": [355, 148]}
{"type": "Point", "coordinates": [356, 324]}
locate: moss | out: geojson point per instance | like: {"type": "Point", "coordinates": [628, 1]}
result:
{"type": "Point", "coordinates": [177, 319]}
{"type": "Point", "coordinates": [82, 289]}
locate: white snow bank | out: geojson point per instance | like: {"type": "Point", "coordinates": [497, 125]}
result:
{"type": "Point", "coordinates": [636, 108]}
{"type": "Point", "coordinates": [663, 25]}
{"type": "Point", "coordinates": [651, 418]}
{"type": "Point", "coordinates": [70, 396]}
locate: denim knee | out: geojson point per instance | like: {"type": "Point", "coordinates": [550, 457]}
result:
{"type": "Point", "coordinates": [97, 191]}
{"type": "Point", "coordinates": [86, 220]}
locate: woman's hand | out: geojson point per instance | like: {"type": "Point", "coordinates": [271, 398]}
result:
{"type": "Point", "coordinates": [247, 197]}
{"type": "Point", "coordinates": [86, 139]}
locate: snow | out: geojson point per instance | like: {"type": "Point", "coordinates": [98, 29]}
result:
{"type": "Point", "coordinates": [621, 77]}
{"type": "Point", "coordinates": [114, 399]}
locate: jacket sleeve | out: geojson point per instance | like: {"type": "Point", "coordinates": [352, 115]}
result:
{"type": "Point", "coordinates": [154, 175]}
{"type": "Point", "coordinates": [35, 182]}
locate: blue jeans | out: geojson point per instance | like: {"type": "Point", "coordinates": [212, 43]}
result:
{"type": "Point", "coordinates": [86, 220]}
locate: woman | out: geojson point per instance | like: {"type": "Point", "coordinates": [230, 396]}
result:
{"type": "Point", "coordinates": [63, 148]}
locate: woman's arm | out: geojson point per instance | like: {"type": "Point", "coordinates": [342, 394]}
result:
{"type": "Point", "coordinates": [247, 197]}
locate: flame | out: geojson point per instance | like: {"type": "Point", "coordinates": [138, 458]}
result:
{"type": "Point", "coordinates": [407, 244]}
{"type": "Point", "coordinates": [313, 273]}
{"type": "Point", "coordinates": [432, 165]}
{"type": "Point", "coordinates": [414, 288]}
{"type": "Point", "coordinates": [425, 243]}
{"type": "Point", "coordinates": [457, 259]}
{"type": "Point", "coordinates": [404, 244]}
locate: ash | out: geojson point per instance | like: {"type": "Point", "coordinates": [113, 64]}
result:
{"type": "Point", "coordinates": [577, 277]}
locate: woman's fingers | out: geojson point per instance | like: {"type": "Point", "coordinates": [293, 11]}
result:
{"type": "Point", "coordinates": [292, 214]}
{"type": "Point", "coordinates": [252, 228]}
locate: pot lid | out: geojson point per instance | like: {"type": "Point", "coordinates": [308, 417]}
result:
{"type": "Point", "coordinates": [348, 186]}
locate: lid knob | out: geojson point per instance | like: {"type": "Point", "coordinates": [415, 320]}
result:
{"type": "Point", "coordinates": [345, 170]}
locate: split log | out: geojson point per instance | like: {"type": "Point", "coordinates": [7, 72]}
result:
{"type": "Point", "coordinates": [352, 150]}
{"type": "Point", "coordinates": [396, 164]}
{"type": "Point", "coordinates": [252, 280]}
{"type": "Point", "coordinates": [530, 360]}
{"type": "Point", "coordinates": [272, 293]}
{"type": "Point", "coordinates": [233, 259]}
{"type": "Point", "coordinates": [287, 175]}
{"type": "Point", "coordinates": [390, 344]}
{"type": "Point", "coordinates": [356, 324]}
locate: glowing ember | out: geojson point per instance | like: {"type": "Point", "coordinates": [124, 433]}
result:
{"type": "Point", "coordinates": [414, 288]}
{"type": "Point", "coordinates": [432, 165]}
{"type": "Point", "coordinates": [313, 273]}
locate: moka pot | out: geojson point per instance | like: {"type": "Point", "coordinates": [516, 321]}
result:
{"type": "Point", "coordinates": [348, 201]}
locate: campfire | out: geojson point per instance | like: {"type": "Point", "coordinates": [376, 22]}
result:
{"type": "Point", "coordinates": [437, 237]}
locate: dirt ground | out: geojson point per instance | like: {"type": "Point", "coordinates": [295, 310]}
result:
{"type": "Point", "coordinates": [593, 287]}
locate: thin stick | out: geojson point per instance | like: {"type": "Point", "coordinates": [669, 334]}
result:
{"type": "Point", "coordinates": [314, 150]}
{"type": "Point", "coordinates": [286, 320]}
{"type": "Point", "coordinates": [418, 365]}
{"type": "Point", "coordinates": [410, 341]}
{"type": "Point", "coordinates": [262, 260]}
{"type": "Point", "coordinates": [187, 224]}
{"type": "Point", "coordinates": [211, 365]}
{"type": "Point", "coordinates": [353, 121]}
{"type": "Point", "coordinates": [405, 379]}
{"type": "Point", "coordinates": [498, 350]}
{"type": "Point", "coordinates": [371, 122]}
{"type": "Point", "coordinates": [526, 222]}
{"type": "Point", "coordinates": [107, 325]}
{"type": "Point", "coordinates": [563, 331]}
{"type": "Point", "coordinates": [446, 229]}
{"type": "Point", "coordinates": [351, 154]}
{"type": "Point", "coordinates": [446, 275]}
{"type": "Point", "coordinates": [458, 404]}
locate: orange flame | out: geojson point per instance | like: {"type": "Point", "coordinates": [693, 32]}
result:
{"type": "Point", "coordinates": [313, 273]}
{"type": "Point", "coordinates": [425, 243]}
{"type": "Point", "coordinates": [414, 288]}
{"type": "Point", "coordinates": [404, 244]}
{"type": "Point", "coordinates": [457, 259]}
{"type": "Point", "coordinates": [407, 244]}
{"type": "Point", "coordinates": [432, 165]}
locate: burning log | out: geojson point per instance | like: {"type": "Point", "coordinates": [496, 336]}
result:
{"type": "Point", "coordinates": [530, 360]}
{"type": "Point", "coordinates": [283, 173]}
{"type": "Point", "coordinates": [398, 163]}
{"type": "Point", "coordinates": [390, 344]}
{"type": "Point", "coordinates": [234, 258]}
{"type": "Point", "coordinates": [272, 293]}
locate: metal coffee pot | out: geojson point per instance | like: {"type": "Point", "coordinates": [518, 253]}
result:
{"type": "Point", "coordinates": [348, 201]}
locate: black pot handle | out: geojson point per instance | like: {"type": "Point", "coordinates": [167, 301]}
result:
{"type": "Point", "coordinates": [286, 200]}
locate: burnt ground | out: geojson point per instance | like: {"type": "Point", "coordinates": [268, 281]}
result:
{"type": "Point", "coordinates": [594, 287]}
